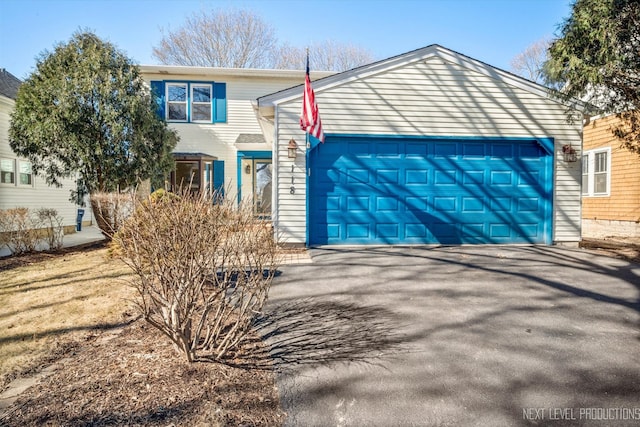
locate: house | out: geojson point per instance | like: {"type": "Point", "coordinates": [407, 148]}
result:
{"type": "Point", "coordinates": [222, 144]}
{"type": "Point", "coordinates": [428, 147]}
{"type": "Point", "coordinates": [19, 187]}
{"type": "Point", "coordinates": [610, 183]}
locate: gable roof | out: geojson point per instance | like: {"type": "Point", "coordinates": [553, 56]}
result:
{"type": "Point", "coordinates": [421, 54]}
{"type": "Point", "coordinates": [9, 84]}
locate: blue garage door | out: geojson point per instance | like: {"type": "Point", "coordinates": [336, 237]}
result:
{"type": "Point", "coordinates": [417, 191]}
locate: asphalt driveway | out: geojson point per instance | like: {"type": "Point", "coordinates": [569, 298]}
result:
{"type": "Point", "coordinates": [483, 335]}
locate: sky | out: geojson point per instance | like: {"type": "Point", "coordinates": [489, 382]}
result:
{"type": "Point", "coordinates": [492, 31]}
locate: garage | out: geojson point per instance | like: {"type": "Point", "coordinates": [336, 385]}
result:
{"type": "Point", "coordinates": [427, 147]}
{"type": "Point", "coordinates": [430, 191]}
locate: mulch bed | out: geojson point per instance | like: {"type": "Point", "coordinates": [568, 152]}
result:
{"type": "Point", "coordinates": [627, 250]}
{"type": "Point", "coordinates": [15, 261]}
{"type": "Point", "coordinates": [134, 377]}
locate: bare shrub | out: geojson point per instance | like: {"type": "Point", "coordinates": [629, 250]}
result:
{"type": "Point", "coordinates": [202, 270]}
{"type": "Point", "coordinates": [111, 210]}
{"type": "Point", "coordinates": [19, 230]}
{"type": "Point", "coordinates": [51, 222]}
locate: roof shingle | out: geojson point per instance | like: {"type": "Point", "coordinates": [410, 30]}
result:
{"type": "Point", "coordinates": [9, 84]}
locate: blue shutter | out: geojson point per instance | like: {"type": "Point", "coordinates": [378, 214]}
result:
{"type": "Point", "coordinates": [220, 102]}
{"type": "Point", "coordinates": [158, 93]}
{"type": "Point", "coordinates": [218, 176]}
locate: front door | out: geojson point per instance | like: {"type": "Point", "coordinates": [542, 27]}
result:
{"type": "Point", "coordinates": [262, 180]}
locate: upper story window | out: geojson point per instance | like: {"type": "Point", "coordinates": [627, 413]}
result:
{"type": "Point", "coordinates": [201, 103]}
{"type": "Point", "coordinates": [177, 102]}
{"type": "Point", "coordinates": [596, 172]}
{"type": "Point", "coordinates": [196, 102]}
{"type": "Point", "coordinates": [7, 171]}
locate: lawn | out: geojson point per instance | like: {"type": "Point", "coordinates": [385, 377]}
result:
{"type": "Point", "coordinates": [72, 311]}
{"type": "Point", "coordinates": [48, 300]}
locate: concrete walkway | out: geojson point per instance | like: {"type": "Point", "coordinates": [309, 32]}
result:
{"type": "Point", "coordinates": [89, 234]}
{"type": "Point", "coordinates": [464, 336]}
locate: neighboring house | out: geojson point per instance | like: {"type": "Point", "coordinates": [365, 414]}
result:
{"type": "Point", "coordinates": [428, 147]}
{"type": "Point", "coordinates": [221, 139]}
{"type": "Point", "coordinates": [19, 187]}
{"type": "Point", "coordinates": [610, 183]}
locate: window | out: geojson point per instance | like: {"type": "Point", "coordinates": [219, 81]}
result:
{"type": "Point", "coordinates": [188, 175]}
{"type": "Point", "coordinates": [7, 171]}
{"type": "Point", "coordinates": [596, 172]}
{"type": "Point", "coordinates": [600, 173]}
{"type": "Point", "coordinates": [177, 102]}
{"type": "Point", "coordinates": [25, 173]}
{"type": "Point", "coordinates": [201, 103]}
{"type": "Point", "coordinates": [585, 174]}
{"type": "Point", "coordinates": [196, 102]}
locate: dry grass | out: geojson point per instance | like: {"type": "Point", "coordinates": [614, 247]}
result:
{"type": "Point", "coordinates": [49, 299]}
{"type": "Point", "coordinates": [68, 311]}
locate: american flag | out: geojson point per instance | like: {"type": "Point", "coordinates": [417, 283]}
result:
{"type": "Point", "coordinates": [310, 118]}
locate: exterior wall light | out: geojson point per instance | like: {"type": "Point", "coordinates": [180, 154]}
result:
{"type": "Point", "coordinates": [569, 154]}
{"type": "Point", "coordinates": [292, 148]}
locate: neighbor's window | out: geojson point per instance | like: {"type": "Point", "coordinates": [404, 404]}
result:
{"type": "Point", "coordinates": [600, 173]}
{"type": "Point", "coordinates": [177, 101]}
{"type": "Point", "coordinates": [201, 103]}
{"type": "Point", "coordinates": [596, 172]}
{"type": "Point", "coordinates": [585, 174]}
{"type": "Point", "coordinates": [26, 175]}
{"type": "Point", "coordinates": [7, 171]}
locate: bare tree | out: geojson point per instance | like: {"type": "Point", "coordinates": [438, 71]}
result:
{"type": "Point", "coordinates": [530, 62]}
{"type": "Point", "coordinates": [327, 56]}
{"type": "Point", "coordinates": [241, 39]}
{"type": "Point", "coordinates": [237, 39]}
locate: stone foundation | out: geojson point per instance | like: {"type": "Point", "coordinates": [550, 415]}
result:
{"type": "Point", "coordinates": [602, 228]}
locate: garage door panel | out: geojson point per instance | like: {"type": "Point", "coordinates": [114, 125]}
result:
{"type": "Point", "coordinates": [501, 151]}
{"type": "Point", "coordinates": [473, 151]}
{"type": "Point", "coordinates": [357, 231]}
{"type": "Point", "coordinates": [358, 176]}
{"type": "Point", "coordinates": [358, 204]}
{"type": "Point", "coordinates": [360, 150]}
{"type": "Point", "coordinates": [445, 177]}
{"type": "Point", "coordinates": [388, 150]}
{"type": "Point", "coordinates": [473, 205]}
{"type": "Point", "coordinates": [387, 204]}
{"type": "Point", "coordinates": [387, 176]}
{"type": "Point", "coordinates": [503, 177]}
{"type": "Point", "coordinates": [387, 231]}
{"type": "Point", "coordinates": [373, 191]}
{"type": "Point", "coordinates": [473, 177]}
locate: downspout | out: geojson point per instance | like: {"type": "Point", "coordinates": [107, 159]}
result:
{"type": "Point", "coordinates": [276, 168]}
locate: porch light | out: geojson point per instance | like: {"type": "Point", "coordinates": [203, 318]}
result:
{"type": "Point", "coordinates": [247, 169]}
{"type": "Point", "coordinates": [292, 148]}
{"type": "Point", "coordinates": [569, 154]}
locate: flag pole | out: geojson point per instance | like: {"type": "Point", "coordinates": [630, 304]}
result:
{"type": "Point", "coordinates": [306, 133]}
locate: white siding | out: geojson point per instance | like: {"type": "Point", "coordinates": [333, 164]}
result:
{"type": "Point", "coordinates": [218, 139]}
{"type": "Point", "coordinates": [432, 97]}
{"type": "Point", "coordinates": [39, 194]}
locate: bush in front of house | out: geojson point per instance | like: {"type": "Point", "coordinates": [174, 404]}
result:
{"type": "Point", "coordinates": [49, 220]}
{"type": "Point", "coordinates": [21, 229]}
{"type": "Point", "coordinates": [202, 270]}
{"type": "Point", "coordinates": [111, 209]}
